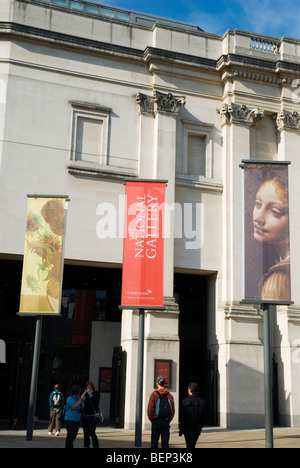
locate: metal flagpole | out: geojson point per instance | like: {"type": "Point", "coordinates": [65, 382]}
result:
{"type": "Point", "coordinates": [139, 387]}
{"type": "Point", "coordinates": [268, 380]}
{"type": "Point", "coordinates": [34, 378]}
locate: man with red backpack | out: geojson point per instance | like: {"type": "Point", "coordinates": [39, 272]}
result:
{"type": "Point", "coordinates": [161, 411]}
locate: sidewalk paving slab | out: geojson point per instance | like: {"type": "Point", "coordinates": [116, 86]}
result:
{"type": "Point", "coordinates": [122, 439]}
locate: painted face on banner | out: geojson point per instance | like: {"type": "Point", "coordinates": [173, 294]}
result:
{"type": "Point", "coordinates": [266, 232]}
{"type": "Point", "coordinates": [270, 215]}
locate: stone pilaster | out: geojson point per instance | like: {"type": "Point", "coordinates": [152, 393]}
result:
{"type": "Point", "coordinates": [157, 147]}
{"type": "Point", "coordinates": [287, 326]}
{"type": "Point", "coordinates": [240, 329]}
{"type": "Point", "coordinates": [236, 122]}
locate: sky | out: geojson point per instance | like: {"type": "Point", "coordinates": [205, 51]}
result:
{"type": "Point", "coordinates": [270, 17]}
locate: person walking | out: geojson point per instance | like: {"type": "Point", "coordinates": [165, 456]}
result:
{"type": "Point", "coordinates": [161, 411]}
{"type": "Point", "coordinates": [91, 406]}
{"type": "Point", "coordinates": [192, 416]}
{"type": "Point", "coordinates": [56, 403]}
{"type": "Point", "coordinates": [74, 405]}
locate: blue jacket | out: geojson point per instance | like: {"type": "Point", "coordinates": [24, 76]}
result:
{"type": "Point", "coordinates": [73, 415]}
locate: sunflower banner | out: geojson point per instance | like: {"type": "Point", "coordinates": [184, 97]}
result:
{"type": "Point", "coordinates": [43, 255]}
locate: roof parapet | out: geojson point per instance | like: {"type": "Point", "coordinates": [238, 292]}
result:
{"type": "Point", "coordinates": [109, 12]}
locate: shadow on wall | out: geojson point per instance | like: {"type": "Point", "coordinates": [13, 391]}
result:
{"type": "Point", "coordinates": [246, 393]}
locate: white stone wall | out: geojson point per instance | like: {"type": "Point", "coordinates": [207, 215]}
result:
{"type": "Point", "coordinates": [45, 76]}
{"type": "Point", "coordinates": [102, 354]}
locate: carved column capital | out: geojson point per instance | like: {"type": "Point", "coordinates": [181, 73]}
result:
{"type": "Point", "coordinates": [160, 103]}
{"type": "Point", "coordinates": [145, 102]}
{"type": "Point", "coordinates": [240, 114]}
{"type": "Point", "coordinates": [167, 103]}
{"type": "Point", "coordinates": [287, 120]}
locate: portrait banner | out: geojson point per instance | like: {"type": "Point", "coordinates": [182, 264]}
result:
{"type": "Point", "coordinates": [267, 276]}
{"type": "Point", "coordinates": [143, 254]}
{"type": "Point", "coordinates": [43, 256]}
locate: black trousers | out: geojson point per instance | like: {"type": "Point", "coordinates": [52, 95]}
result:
{"type": "Point", "coordinates": [72, 431]}
{"type": "Point", "coordinates": [160, 428]}
{"type": "Point", "coordinates": [89, 431]}
{"type": "Point", "coordinates": [191, 437]}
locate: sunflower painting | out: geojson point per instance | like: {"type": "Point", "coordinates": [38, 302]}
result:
{"type": "Point", "coordinates": [43, 256]}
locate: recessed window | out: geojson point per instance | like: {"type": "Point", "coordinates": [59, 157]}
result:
{"type": "Point", "coordinates": [90, 148]}
{"type": "Point", "coordinates": [89, 139]}
{"type": "Point", "coordinates": [196, 155]}
{"type": "Point", "coordinates": [90, 126]}
{"type": "Point", "coordinates": [196, 159]}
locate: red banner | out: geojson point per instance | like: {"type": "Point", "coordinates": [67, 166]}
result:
{"type": "Point", "coordinates": [143, 256]}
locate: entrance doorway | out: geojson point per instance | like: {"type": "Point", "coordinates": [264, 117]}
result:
{"type": "Point", "coordinates": [90, 294]}
{"type": "Point", "coordinates": [192, 294]}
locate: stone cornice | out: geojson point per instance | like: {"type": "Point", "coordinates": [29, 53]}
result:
{"type": "Point", "coordinates": [238, 311]}
{"type": "Point", "coordinates": [21, 31]}
{"type": "Point", "coordinates": [245, 60]}
{"type": "Point", "coordinates": [102, 172]}
{"type": "Point", "coordinates": [274, 71]}
{"type": "Point", "coordinates": [155, 54]}
{"type": "Point", "coordinates": [231, 66]}
{"type": "Point", "coordinates": [293, 314]}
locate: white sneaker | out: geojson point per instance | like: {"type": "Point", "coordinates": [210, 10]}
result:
{"type": "Point", "coordinates": [50, 433]}
{"type": "Point", "coordinates": [57, 433]}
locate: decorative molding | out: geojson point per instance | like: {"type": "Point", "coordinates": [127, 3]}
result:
{"type": "Point", "coordinates": [293, 313]}
{"type": "Point", "coordinates": [167, 103]}
{"type": "Point", "coordinates": [83, 169]}
{"type": "Point", "coordinates": [239, 114]}
{"type": "Point", "coordinates": [160, 103]}
{"type": "Point", "coordinates": [146, 103]}
{"type": "Point", "coordinates": [87, 106]}
{"type": "Point", "coordinates": [256, 76]}
{"type": "Point", "coordinates": [232, 65]}
{"type": "Point", "coordinates": [172, 307]}
{"type": "Point", "coordinates": [202, 183]}
{"type": "Point", "coordinates": [265, 44]}
{"type": "Point", "coordinates": [238, 311]}
{"type": "Point", "coordinates": [285, 120]}
{"type": "Point", "coordinates": [44, 35]}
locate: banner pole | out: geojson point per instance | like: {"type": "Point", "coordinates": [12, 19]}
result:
{"type": "Point", "coordinates": [34, 378]}
{"type": "Point", "coordinates": [140, 376]}
{"type": "Point", "coordinates": [268, 380]}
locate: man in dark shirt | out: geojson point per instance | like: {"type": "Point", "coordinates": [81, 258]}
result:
{"type": "Point", "coordinates": [192, 416]}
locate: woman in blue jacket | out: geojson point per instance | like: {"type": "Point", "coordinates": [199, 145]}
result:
{"type": "Point", "coordinates": [74, 406]}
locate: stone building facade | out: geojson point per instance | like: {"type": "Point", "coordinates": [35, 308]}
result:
{"type": "Point", "coordinates": [90, 95]}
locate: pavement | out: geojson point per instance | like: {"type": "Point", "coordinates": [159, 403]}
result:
{"type": "Point", "coordinates": [114, 439]}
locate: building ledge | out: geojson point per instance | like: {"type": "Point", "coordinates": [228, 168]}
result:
{"type": "Point", "coordinates": [199, 182]}
{"type": "Point", "coordinates": [104, 172]}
